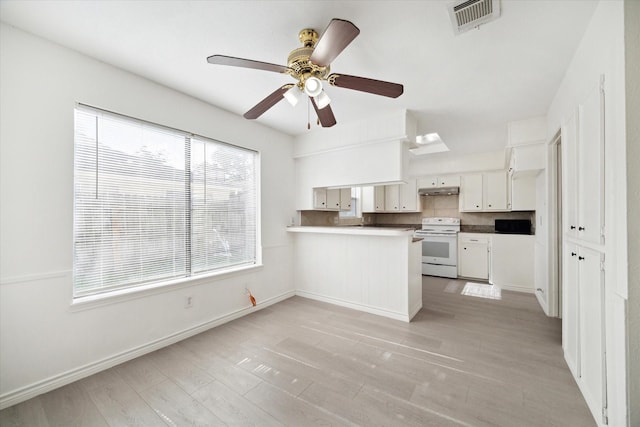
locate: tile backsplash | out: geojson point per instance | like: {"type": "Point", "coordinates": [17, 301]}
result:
{"type": "Point", "coordinates": [432, 206]}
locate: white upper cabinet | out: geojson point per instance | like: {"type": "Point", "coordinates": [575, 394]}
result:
{"type": "Point", "coordinates": [391, 198]}
{"type": "Point", "coordinates": [471, 193]}
{"type": "Point", "coordinates": [379, 198]}
{"type": "Point", "coordinates": [332, 199]}
{"type": "Point", "coordinates": [345, 199]}
{"type": "Point", "coordinates": [484, 192]}
{"type": "Point", "coordinates": [409, 198]}
{"type": "Point", "coordinates": [439, 181]}
{"type": "Point", "coordinates": [495, 191]}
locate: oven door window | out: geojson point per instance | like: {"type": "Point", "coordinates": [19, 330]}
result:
{"type": "Point", "coordinates": [436, 249]}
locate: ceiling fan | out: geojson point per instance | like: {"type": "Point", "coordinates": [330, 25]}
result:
{"type": "Point", "coordinates": [310, 65]}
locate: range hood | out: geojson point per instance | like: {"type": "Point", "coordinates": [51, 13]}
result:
{"type": "Point", "coordinates": [439, 191]}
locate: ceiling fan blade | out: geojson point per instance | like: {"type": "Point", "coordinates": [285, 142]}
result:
{"type": "Point", "coordinates": [334, 40]}
{"type": "Point", "coordinates": [363, 84]}
{"type": "Point", "coordinates": [325, 115]}
{"type": "Point", "coordinates": [246, 63]}
{"type": "Point", "coordinates": [267, 103]}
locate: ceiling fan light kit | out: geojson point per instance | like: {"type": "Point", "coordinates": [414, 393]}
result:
{"type": "Point", "coordinates": [309, 65]}
{"type": "Point", "coordinates": [293, 95]}
{"type": "Point", "coordinates": [322, 100]}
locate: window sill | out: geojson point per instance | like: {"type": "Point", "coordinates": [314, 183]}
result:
{"type": "Point", "coordinates": [121, 295]}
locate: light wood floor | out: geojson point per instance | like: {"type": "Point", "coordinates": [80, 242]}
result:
{"type": "Point", "coordinates": [463, 360]}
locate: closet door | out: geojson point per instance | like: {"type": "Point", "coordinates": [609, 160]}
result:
{"type": "Point", "coordinates": [570, 176]}
{"type": "Point", "coordinates": [591, 298]}
{"type": "Point", "coordinates": [591, 167]}
{"type": "Point", "coordinates": [570, 319]}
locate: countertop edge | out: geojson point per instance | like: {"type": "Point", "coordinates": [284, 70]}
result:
{"type": "Point", "coordinates": [355, 230]}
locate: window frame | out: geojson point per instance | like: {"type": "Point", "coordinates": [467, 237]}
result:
{"type": "Point", "coordinates": [84, 301]}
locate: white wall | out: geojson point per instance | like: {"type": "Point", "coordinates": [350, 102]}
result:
{"type": "Point", "coordinates": [601, 51]}
{"type": "Point", "coordinates": [445, 163]}
{"type": "Point", "coordinates": [44, 342]}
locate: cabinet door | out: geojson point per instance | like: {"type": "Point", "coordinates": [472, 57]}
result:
{"type": "Point", "coordinates": [428, 182]}
{"type": "Point", "coordinates": [495, 191]}
{"type": "Point", "coordinates": [345, 199]}
{"type": "Point", "coordinates": [367, 199]}
{"type": "Point", "coordinates": [378, 196]}
{"type": "Point", "coordinates": [590, 168]}
{"type": "Point", "coordinates": [591, 298]}
{"type": "Point", "coordinates": [570, 309]}
{"type": "Point", "coordinates": [569, 176]}
{"type": "Point", "coordinates": [320, 198]}
{"type": "Point", "coordinates": [392, 198]}
{"type": "Point", "coordinates": [333, 199]}
{"type": "Point", "coordinates": [474, 260]}
{"type": "Point", "coordinates": [471, 193]}
{"type": "Point", "coordinates": [409, 200]}
{"type": "Point", "coordinates": [523, 193]}
{"type": "Point", "coordinates": [449, 181]}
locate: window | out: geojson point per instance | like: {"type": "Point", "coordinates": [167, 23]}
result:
{"type": "Point", "coordinates": [154, 204]}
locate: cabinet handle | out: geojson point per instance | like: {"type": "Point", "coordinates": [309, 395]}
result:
{"type": "Point", "coordinates": [580, 228]}
{"type": "Point", "coordinates": [477, 206]}
{"type": "Point", "coordinates": [465, 249]}
{"type": "Point", "coordinates": [473, 240]}
{"type": "Point", "coordinates": [573, 227]}
{"type": "Point", "coordinates": [573, 254]}
{"type": "Point", "coordinates": [580, 258]}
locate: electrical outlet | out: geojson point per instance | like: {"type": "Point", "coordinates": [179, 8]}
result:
{"type": "Point", "coordinates": [188, 301]}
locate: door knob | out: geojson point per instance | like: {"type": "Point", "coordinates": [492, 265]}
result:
{"type": "Point", "coordinates": [573, 227]}
{"type": "Point", "coordinates": [580, 258]}
{"type": "Point", "coordinates": [573, 254]}
{"type": "Point", "coordinates": [580, 228]}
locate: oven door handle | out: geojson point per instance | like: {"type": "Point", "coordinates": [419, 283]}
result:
{"type": "Point", "coordinates": [427, 235]}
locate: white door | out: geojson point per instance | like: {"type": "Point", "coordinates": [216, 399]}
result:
{"type": "Point", "coordinates": [570, 176]}
{"type": "Point", "coordinates": [570, 319]}
{"type": "Point", "coordinates": [591, 167]}
{"type": "Point", "coordinates": [591, 328]}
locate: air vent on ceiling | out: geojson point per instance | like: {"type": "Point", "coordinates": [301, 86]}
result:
{"type": "Point", "coordinates": [468, 14]}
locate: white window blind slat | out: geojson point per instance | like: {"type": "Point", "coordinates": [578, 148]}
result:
{"type": "Point", "coordinates": [153, 204]}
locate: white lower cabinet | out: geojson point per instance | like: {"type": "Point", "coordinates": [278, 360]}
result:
{"type": "Point", "coordinates": [583, 308]}
{"type": "Point", "coordinates": [513, 262]}
{"type": "Point", "coordinates": [505, 260]}
{"type": "Point", "coordinates": [473, 255]}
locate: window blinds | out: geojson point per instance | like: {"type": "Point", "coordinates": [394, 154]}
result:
{"type": "Point", "coordinates": [153, 204]}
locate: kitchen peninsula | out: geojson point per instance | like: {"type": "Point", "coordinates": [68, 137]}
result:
{"type": "Point", "coordinates": [372, 269]}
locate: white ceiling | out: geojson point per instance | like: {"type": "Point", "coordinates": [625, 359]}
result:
{"type": "Point", "coordinates": [464, 87]}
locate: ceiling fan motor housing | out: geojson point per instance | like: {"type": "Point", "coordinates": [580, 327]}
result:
{"type": "Point", "coordinates": [298, 59]}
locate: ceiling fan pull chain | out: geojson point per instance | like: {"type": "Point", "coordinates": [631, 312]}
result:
{"type": "Point", "coordinates": [308, 114]}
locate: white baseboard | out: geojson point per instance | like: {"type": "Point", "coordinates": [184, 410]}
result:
{"type": "Point", "coordinates": [517, 288]}
{"type": "Point", "coordinates": [361, 307]}
{"type": "Point", "coordinates": [25, 393]}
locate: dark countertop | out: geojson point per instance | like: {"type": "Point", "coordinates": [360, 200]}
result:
{"type": "Point", "coordinates": [477, 229]}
